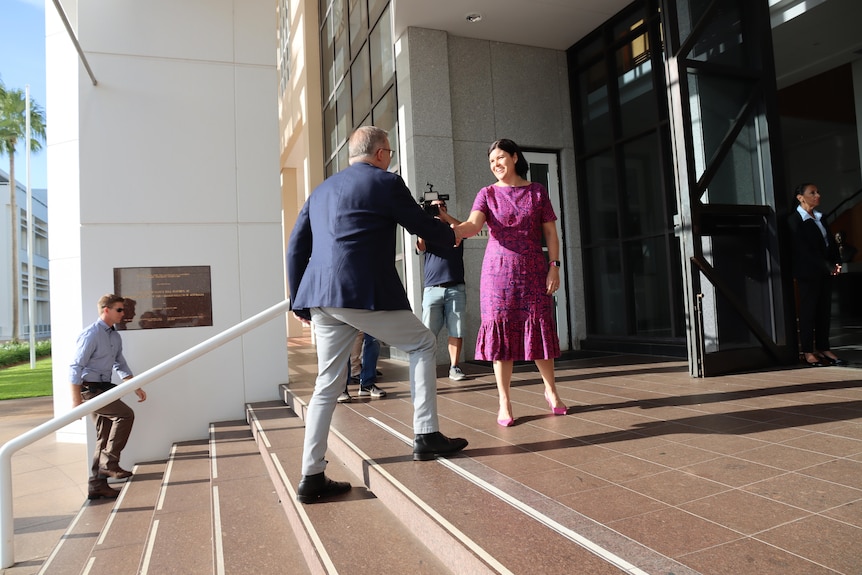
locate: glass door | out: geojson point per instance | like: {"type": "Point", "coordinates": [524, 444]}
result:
{"type": "Point", "coordinates": [721, 91]}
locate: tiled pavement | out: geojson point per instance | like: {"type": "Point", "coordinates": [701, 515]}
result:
{"type": "Point", "coordinates": [755, 473]}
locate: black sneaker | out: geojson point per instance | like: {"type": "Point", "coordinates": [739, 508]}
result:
{"type": "Point", "coordinates": [371, 391]}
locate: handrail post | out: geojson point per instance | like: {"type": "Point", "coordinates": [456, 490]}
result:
{"type": "Point", "coordinates": [7, 528]}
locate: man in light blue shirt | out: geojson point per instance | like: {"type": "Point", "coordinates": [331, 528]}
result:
{"type": "Point", "coordinates": [99, 353]}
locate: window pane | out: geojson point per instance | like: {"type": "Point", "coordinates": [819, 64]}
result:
{"type": "Point", "coordinates": [327, 48]}
{"type": "Point", "coordinates": [382, 62]}
{"type": "Point", "coordinates": [638, 108]}
{"type": "Point", "coordinates": [361, 84]}
{"type": "Point", "coordinates": [595, 119]}
{"type": "Point", "coordinates": [375, 7]}
{"type": "Point", "coordinates": [605, 271]}
{"type": "Point", "coordinates": [385, 117]}
{"type": "Point", "coordinates": [645, 212]}
{"type": "Point", "coordinates": [358, 24]}
{"type": "Point", "coordinates": [648, 263]}
{"type": "Point", "coordinates": [330, 138]}
{"type": "Point", "coordinates": [344, 115]}
{"type": "Point", "coordinates": [602, 204]}
{"type": "Point", "coordinates": [340, 37]}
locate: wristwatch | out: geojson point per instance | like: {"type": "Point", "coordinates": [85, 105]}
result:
{"type": "Point", "coordinates": [555, 263]}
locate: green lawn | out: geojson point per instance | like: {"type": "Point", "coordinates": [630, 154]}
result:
{"type": "Point", "coordinates": [20, 381]}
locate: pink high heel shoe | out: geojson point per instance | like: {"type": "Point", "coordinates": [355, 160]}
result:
{"type": "Point", "coordinates": [505, 421]}
{"type": "Point", "coordinates": [555, 410]}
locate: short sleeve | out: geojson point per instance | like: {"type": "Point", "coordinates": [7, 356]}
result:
{"type": "Point", "coordinates": [480, 204]}
{"type": "Point", "coordinates": [547, 208]}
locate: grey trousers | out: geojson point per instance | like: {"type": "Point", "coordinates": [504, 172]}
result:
{"type": "Point", "coordinates": [335, 330]}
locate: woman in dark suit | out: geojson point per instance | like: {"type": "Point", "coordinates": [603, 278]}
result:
{"type": "Point", "coordinates": [815, 261]}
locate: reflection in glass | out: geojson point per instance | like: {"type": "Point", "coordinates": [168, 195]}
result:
{"type": "Point", "coordinates": [648, 263]}
{"type": "Point", "coordinates": [605, 272]}
{"type": "Point", "coordinates": [344, 115]}
{"type": "Point", "coordinates": [602, 200]}
{"type": "Point", "coordinates": [358, 24]}
{"type": "Point", "coordinates": [382, 61]}
{"type": "Point", "coordinates": [595, 118]}
{"type": "Point", "coordinates": [645, 204]}
{"type": "Point", "coordinates": [361, 83]}
{"type": "Point", "coordinates": [384, 117]}
{"type": "Point", "coordinates": [340, 36]}
{"type": "Point", "coordinates": [638, 107]}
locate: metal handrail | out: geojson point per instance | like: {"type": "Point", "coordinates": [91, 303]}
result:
{"type": "Point", "coordinates": [7, 531]}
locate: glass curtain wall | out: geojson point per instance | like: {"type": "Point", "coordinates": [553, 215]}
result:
{"type": "Point", "coordinates": [626, 186]}
{"type": "Point", "coordinates": [358, 79]}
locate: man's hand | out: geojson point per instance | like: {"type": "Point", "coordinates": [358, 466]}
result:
{"type": "Point", "coordinates": [142, 395]}
{"type": "Point", "coordinates": [304, 320]}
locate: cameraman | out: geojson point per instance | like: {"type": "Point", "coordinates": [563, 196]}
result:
{"type": "Point", "coordinates": [444, 298]}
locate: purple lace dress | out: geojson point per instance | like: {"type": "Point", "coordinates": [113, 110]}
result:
{"type": "Point", "coordinates": [517, 315]}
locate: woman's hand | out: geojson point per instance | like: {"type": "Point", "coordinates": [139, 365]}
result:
{"type": "Point", "coordinates": [552, 283]}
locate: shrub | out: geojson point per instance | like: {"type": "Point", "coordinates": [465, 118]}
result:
{"type": "Point", "coordinates": [15, 353]}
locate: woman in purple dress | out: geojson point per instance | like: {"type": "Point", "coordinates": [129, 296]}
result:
{"type": "Point", "coordinates": [518, 283]}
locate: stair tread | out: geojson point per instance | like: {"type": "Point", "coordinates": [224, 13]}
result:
{"type": "Point", "coordinates": [181, 533]}
{"type": "Point", "coordinates": [115, 540]}
{"type": "Point", "coordinates": [360, 534]}
{"type": "Point", "coordinates": [256, 536]}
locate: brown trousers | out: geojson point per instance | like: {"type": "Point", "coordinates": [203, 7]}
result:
{"type": "Point", "coordinates": [113, 427]}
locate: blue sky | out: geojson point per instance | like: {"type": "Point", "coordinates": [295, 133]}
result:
{"type": "Point", "coordinates": [22, 62]}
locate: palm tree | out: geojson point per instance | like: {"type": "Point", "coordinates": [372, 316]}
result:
{"type": "Point", "coordinates": [13, 127]}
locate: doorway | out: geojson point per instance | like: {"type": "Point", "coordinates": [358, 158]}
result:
{"type": "Point", "coordinates": [544, 168]}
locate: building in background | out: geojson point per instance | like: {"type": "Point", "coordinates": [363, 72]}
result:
{"type": "Point", "coordinates": [36, 290]}
{"type": "Point", "coordinates": [656, 125]}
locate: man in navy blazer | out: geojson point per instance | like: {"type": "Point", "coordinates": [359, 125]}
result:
{"type": "Point", "coordinates": [342, 278]}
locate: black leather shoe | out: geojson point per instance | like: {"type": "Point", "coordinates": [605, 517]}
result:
{"type": "Point", "coordinates": [427, 446]}
{"type": "Point", "coordinates": [95, 492]}
{"type": "Point", "coordinates": [313, 488]}
{"type": "Point", "coordinates": [837, 361]}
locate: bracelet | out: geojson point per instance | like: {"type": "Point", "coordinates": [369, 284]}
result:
{"type": "Point", "coordinates": [555, 263]}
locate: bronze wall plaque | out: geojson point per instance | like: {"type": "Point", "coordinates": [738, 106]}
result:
{"type": "Point", "coordinates": [161, 297]}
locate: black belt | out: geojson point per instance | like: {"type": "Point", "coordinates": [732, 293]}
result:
{"type": "Point", "coordinates": [103, 385]}
{"type": "Point", "coordinates": [448, 284]}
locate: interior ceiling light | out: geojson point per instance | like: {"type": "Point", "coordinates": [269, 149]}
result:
{"type": "Point", "coordinates": [474, 17]}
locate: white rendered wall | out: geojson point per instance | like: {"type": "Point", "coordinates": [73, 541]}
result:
{"type": "Point", "coordinates": [172, 159]}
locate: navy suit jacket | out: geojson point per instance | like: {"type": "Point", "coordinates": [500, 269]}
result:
{"type": "Point", "coordinates": [341, 252]}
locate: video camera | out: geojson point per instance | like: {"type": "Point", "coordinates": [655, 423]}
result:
{"type": "Point", "coordinates": [430, 196]}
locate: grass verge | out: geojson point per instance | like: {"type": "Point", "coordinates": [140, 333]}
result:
{"type": "Point", "coordinates": [20, 381]}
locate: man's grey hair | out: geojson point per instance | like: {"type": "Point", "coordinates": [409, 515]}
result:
{"type": "Point", "coordinates": [365, 141]}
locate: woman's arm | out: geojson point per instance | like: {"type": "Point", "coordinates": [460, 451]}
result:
{"type": "Point", "coordinates": [552, 240]}
{"type": "Point", "coordinates": [472, 225]}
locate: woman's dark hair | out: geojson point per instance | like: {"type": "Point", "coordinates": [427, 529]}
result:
{"type": "Point", "coordinates": [800, 189]}
{"type": "Point", "coordinates": [522, 166]}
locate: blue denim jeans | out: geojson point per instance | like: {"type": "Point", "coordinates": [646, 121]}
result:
{"type": "Point", "coordinates": [370, 354]}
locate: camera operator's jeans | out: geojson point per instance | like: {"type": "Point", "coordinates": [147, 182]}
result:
{"type": "Point", "coordinates": [445, 305]}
